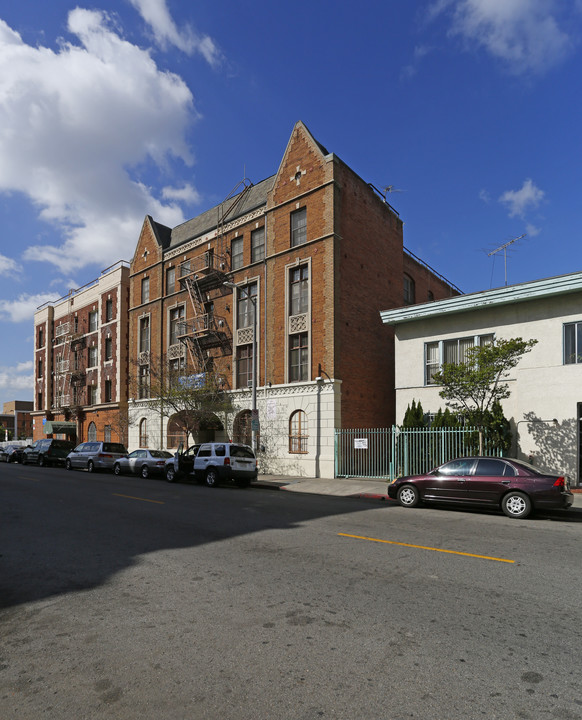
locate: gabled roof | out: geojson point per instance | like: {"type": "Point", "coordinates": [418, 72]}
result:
{"type": "Point", "coordinates": [255, 197]}
{"type": "Point", "coordinates": [471, 302]}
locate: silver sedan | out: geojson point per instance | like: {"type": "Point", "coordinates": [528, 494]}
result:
{"type": "Point", "coordinates": [142, 462]}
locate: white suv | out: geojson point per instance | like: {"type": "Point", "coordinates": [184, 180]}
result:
{"type": "Point", "coordinates": [220, 462]}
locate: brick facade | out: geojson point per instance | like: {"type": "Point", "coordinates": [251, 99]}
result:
{"type": "Point", "coordinates": [351, 259]}
{"type": "Point", "coordinates": [81, 359]}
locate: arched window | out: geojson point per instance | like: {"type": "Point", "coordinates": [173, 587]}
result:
{"type": "Point", "coordinates": [298, 436]}
{"type": "Point", "coordinates": [107, 433]}
{"type": "Point", "coordinates": [143, 433]}
{"type": "Point", "coordinates": [92, 432]}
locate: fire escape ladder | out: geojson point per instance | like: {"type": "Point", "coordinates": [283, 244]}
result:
{"type": "Point", "coordinates": [197, 355]}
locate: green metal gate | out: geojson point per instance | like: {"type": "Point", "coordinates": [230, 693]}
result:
{"type": "Point", "coordinates": [392, 452]}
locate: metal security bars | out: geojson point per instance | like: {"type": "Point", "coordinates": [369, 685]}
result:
{"type": "Point", "coordinates": [393, 452]}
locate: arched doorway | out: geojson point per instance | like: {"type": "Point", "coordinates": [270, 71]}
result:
{"type": "Point", "coordinates": [242, 430]}
{"type": "Point", "coordinates": [193, 426]}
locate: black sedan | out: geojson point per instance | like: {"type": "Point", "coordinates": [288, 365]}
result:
{"type": "Point", "coordinates": [515, 486]}
{"type": "Point", "coordinates": [11, 453]}
{"type": "Point", "coordinates": [143, 462]}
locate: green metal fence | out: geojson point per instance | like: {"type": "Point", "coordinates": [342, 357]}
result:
{"type": "Point", "coordinates": [392, 452]}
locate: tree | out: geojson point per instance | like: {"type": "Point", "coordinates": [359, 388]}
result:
{"type": "Point", "coordinates": [474, 388]}
{"type": "Point", "coordinates": [414, 416]}
{"type": "Point", "coordinates": [192, 400]}
{"type": "Point", "coordinates": [470, 388]}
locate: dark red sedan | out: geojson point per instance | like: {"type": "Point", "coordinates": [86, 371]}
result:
{"type": "Point", "coordinates": [515, 486]}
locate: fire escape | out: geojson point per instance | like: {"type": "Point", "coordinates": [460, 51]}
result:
{"type": "Point", "coordinates": [202, 276]}
{"type": "Point", "coordinates": [69, 365]}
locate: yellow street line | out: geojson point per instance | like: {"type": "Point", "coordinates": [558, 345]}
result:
{"type": "Point", "coordinates": [423, 547]}
{"type": "Point", "coordinates": [130, 497]}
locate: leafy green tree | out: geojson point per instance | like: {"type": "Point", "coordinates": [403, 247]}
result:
{"type": "Point", "coordinates": [472, 387]}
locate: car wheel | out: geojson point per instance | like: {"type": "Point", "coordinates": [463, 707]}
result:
{"type": "Point", "coordinates": [408, 496]}
{"type": "Point", "coordinates": [516, 505]}
{"type": "Point", "coordinates": [42, 461]}
{"type": "Point", "coordinates": [90, 466]}
{"type": "Point", "coordinates": [145, 471]}
{"type": "Point", "coordinates": [68, 464]}
{"type": "Point", "coordinates": [170, 474]}
{"type": "Point", "coordinates": [211, 477]}
{"type": "Point", "coordinates": [116, 469]}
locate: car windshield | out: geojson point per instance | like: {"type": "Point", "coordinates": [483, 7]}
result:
{"type": "Point", "coordinates": [160, 453]}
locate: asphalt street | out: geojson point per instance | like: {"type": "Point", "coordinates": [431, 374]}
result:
{"type": "Point", "coordinates": [127, 598]}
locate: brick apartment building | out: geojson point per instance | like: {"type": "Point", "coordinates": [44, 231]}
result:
{"type": "Point", "coordinates": [16, 419]}
{"type": "Point", "coordinates": [318, 252]}
{"type": "Point", "coordinates": [81, 361]}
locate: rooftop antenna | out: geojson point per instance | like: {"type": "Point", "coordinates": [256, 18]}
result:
{"type": "Point", "coordinates": [504, 248]}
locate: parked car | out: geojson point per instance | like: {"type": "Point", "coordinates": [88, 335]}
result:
{"type": "Point", "coordinates": [95, 456]}
{"type": "Point", "coordinates": [515, 486]}
{"type": "Point", "coordinates": [144, 462]}
{"type": "Point", "coordinates": [47, 452]}
{"type": "Point", "coordinates": [225, 462]}
{"type": "Point", "coordinates": [11, 453]}
{"type": "Point", "coordinates": [181, 464]}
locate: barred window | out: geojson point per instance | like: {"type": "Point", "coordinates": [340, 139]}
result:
{"type": "Point", "coordinates": [298, 436]}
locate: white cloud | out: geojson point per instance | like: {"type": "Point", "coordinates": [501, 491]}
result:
{"type": "Point", "coordinates": [18, 378]}
{"type": "Point", "coordinates": [485, 196]}
{"type": "Point", "coordinates": [532, 230]}
{"type": "Point", "coordinates": [23, 308]}
{"type": "Point", "coordinates": [8, 265]}
{"type": "Point", "coordinates": [185, 194]}
{"type": "Point", "coordinates": [529, 196]}
{"type": "Point", "coordinates": [73, 125]}
{"type": "Point", "coordinates": [524, 34]}
{"type": "Point", "coordinates": [156, 14]}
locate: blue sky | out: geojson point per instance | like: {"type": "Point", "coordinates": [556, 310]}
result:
{"type": "Point", "coordinates": [469, 109]}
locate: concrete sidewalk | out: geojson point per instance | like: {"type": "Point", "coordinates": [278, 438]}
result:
{"type": "Point", "coordinates": [374, 488]}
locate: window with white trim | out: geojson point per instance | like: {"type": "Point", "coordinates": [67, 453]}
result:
{"type": "Point", "coordinates": [258, 245]}
{"type": "Point", "coordinates": [236, 253]}
{"type": "Point", "coordinates": [298, 437]}
{"type": "Point", "coordinates": [299, 227]}
{"type": "Point", "coordinates": [573, 343]}
{"type": "Point", "coordinates": [453, 352]}
{"type": "Point", "coordinates": [177, 316]}
{"type": "Point", "coordinates": [144, 334]}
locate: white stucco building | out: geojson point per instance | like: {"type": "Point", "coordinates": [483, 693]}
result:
{"type": "Point", "coordinates": [545, 406]}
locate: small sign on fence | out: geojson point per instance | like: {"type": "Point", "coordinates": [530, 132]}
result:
{"type": "Point", "coordinates": [360, 443]}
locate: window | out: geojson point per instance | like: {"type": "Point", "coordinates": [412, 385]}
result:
{"type": "Point", "coordinates": [298, 432]}
{"type": "Point", "coordinates": [107, 433]}
{"type": "Point", "coordinates": [76, 324]}
{"type": "Point", "coordinates": [573, 343]}
{"type": "Point", "coordinates": [39, 401]}
{"type": "Point", "coordinates": [39, 370]}
{"type": "Point", "coordinates": [143, 382]}
{"type": "Point", "coordinates": [176, 329]}
{"type": "Point", "coordinates": [177, 365]}
{"type": "Point", "coordinates": [108, 390]}
{"type": "Point", "coordinates": [244, 366]}
{"type": "Point", "coordinates": [258, 245]}
{"type": "Point", "coordinates": [108, 348]}
{"type": "Point", "coordinates": [299, 227]}
{"type": "Point", "coordinates": [91, 394]}
{"type": "Point", "coordinates": [409, 293]}
{"type": "Point", "coordinates": [170, 280]}
{"type": "Point", "coordinates": [92, 432]}
{"type": "Point", "coordinates": [430, 296]}
{"type": "Point", "coordinates": [245, 307]}
{"type": "Point", "coordinates": [144, 334]}
{"type": "Point", "coordinates": [92, 356]}
{"type": "Point", "coordinates": [495, 468]}
{"type": "Point", "coordinates": [298, 357]}
{"type": "Point", "coordinates": [93, 321]}
{"type": "Point", "coordinates": [236, 253]}
{"type": "Point", "coordinates": [454, 352]}
{"type": "Point", "coordinates": [145, 290]}
{"type": "Point", "coordinates": [108, 310]}
{"type": "Point", "coordinates": [40, 337]}
{"type": "Point", "coordinates": [143, 433]}
{"type": "Point", "coordinates": [299, 290]}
